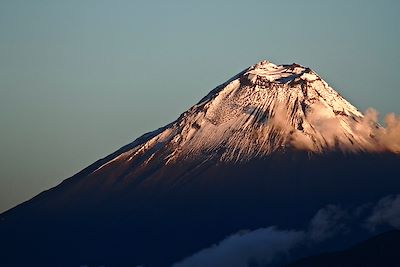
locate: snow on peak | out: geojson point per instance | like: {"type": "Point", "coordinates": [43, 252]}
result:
{"type": "Point", "coordinates": [265, 109]}
{"type": "Point", "coordinates": [266, 72]}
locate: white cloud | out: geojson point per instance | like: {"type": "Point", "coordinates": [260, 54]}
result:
{"type": "Point", "coordinates": [385, 212]}
{"type": "Point", "coordinates": [260, 246]}
{"type": "Point", "coordinates": [327, 222]}
{"type": "Point", "coordinates": [268, 245]}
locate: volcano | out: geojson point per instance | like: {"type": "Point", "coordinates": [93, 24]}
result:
{"type": "Point", "coordinates": [269, 147]}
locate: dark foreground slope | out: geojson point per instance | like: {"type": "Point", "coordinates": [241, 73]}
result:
{"type": "Point", "coordinates": [161, 214]}
{"type": "Point", "coordinates": [382, 250]}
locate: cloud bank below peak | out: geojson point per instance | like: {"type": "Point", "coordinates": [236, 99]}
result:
{"type": "Point", "coordinates": [272, 246]}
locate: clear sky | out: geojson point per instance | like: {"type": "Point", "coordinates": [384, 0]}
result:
{"type": "Point", "coordinates": [79, 79]}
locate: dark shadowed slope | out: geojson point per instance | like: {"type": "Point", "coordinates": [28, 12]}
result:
{"type": "Point", "coordinates": [271, 146]}
{"type": "Point", "coordinates": [82, 222]}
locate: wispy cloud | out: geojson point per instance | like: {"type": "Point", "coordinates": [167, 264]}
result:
{"type": "Point", "coordinates": [327, 222]}
{"type": "Point", "coordinates": [367, 129]}
{"type": "Point", "coordinates": [260, 246]}
{"type": "Point", "coordinates": [266, 246]}
{"type": "Point", "coordinates": [385, 212]}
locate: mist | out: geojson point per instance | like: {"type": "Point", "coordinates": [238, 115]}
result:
{"type": "Point", "coordinates": [373, 135]}
{"type": "Point", "coordinates": [260, 246]}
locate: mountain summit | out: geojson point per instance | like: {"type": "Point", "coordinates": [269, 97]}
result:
{"type": "Point", "coordinates": [269, 147]}
{"type": "Point", "coordinates": [264, 109]}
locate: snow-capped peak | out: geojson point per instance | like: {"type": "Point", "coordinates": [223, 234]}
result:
{"type": "Point", "coordinates": [266, 71]}
{"type": "Point", "coordinates": [265, 109]}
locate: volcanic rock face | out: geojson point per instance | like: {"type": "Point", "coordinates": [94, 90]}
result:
{"type": "Point", "coordinates": [271, 146]}
{"type": "Point", "coordinates": [262, 110]}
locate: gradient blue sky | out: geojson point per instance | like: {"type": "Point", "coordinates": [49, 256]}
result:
{"type": "Point", "coordinates": [79, 79]}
